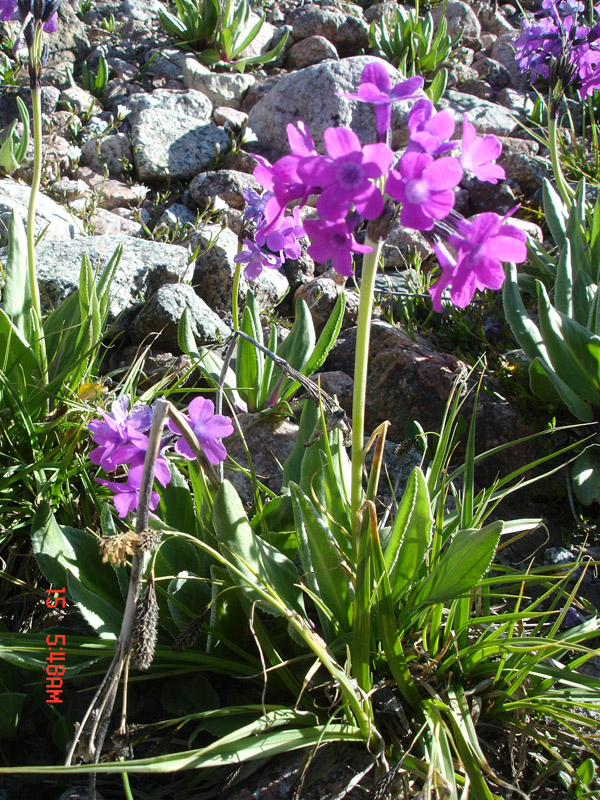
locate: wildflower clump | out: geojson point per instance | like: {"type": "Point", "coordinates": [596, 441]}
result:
{"type": "Point", "coordinates": [121, 437]}
{"type": "Point", "coordinates": [355, 182]}
{"type": "Point", "coordinates": [560, 46]}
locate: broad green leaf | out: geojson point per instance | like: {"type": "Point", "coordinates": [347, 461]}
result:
{"type": "Point", "coordinates": [573, 351]}
{"type": "Point", "coordinates": [322, 562]}
{"type": "Point", "coordinates": [11, 706]}
{"type": "Point", "coordinates": [18, 361]}
{"type": "Point", "coordinates": [410, 535]}
{"type": "Point", "coordinates": [586, 476]}
{"type": "Point", "coordinates": [188, 598]}
{"type": "Point", "coordinates": [16, 295]}
{"type": "Point", "coordinates": [298, 345]}
{"type": "Point", "coordinates": [249, 362]}
{"type": "Point", "coordinates": [70, 558]}
{"type": "Point", "coordinates": [548, 385]}
{"type": "Point", "coordinates": [563, 287]}
{"type": "Point", "coordinates": [176, 508]}
{"type": "Point", "coordinates": [292, 468]}
{"type": "Point", "coordinates": [526, 332]}
{"type": "Point", "coordinates": [555, 213]}
{"type": "Point", "coordinates": [461, 566]}
{"type": "Point", "coordinates": [259, 562]}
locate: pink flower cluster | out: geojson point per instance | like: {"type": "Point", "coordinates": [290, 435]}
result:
{"type": "Point", "coordinates": [352, 182]}
{"type": "Point", "coordinates": [121, 439]}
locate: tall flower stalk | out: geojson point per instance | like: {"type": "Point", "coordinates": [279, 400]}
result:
{"type": "Point", "coordinates": [37, 17]}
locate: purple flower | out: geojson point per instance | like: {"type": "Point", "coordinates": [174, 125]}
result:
{"type": "Point", "coordinates": [333, 241]}
{"type": "Point", "coordinates": [430, 132]}
{"type": "Point", "coordinates": [479, 154]}
{"type": "Point", "coordinates": [256, 259]}
{"type": "Point", "coordinates": [375, 88]}
{"type": "Point", "coordinates": [209, 428]}
{"type": "Point", "coordinates": [119, 435]}
{"type": "Point", "coordinates": [126, 496]}
{"type": "Point", "coordinates": [282, 236]}
{"type": "Point", "coordinates": [424, 187]}
{"type": "Point", "coordinates": [481, 244]}
{"type": "Point", "coordinates": [254, 210]}
{"type": "Point", "coordinates": [9, 9]}
{"type": "Point", "coordinates": [347, 175]}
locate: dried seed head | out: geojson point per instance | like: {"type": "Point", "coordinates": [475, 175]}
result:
{"type": "Point", "coordinates": [188, 635]}
{"type": "Point", "coordinates": [150, 540]}
{"type": "Point", "coordinates": [143, 635]}
{"type": "Point", "coordinates": [117, 548]}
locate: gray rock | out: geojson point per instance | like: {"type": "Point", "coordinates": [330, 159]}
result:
{"type": "Point", "coordinates": [168, 63]}
{"type": "Point", "coordinates": [270, 439]}
{"type": "Point", "coordinates": [516, 101]}
{"type": "Point", "coordinates": [401, 243]}
{"type": "Point", "coordinates": [311, 51]}
{"type": "Point", "coordinates": [459, 18]}
{"type": "Point", "coordinates": [145, 266]}
{"type": "Point", "coordinates": [113, 152]}
{"type": "Point", "coordinates": [503, 50]}
{"type": "Point", "coordinates": [108, 223]}
{"type": "Point", "coordinates": [215, 268]}
{"type": "Point", "coordinates": [349, 32]}
{"type": "Point", "coordinates": [70, 42]}
{"type": "Point", "coordinates": [172, 137]}
{"type": "Point", "coordinates": [221, 88]}
{"type": "Point", "coordinates": [321, 295]}
{"type": "Point", "coordinates": [311, 95]}
{"type": "Point", "coordinates": [230, 118]}
{"type": "Point", "coordinates": [487, 117]}
{"type": "Point", "coordinates": [495, 21]}
{"type": "Point", "coordinates": [228, 184]}
{"type": "Point", "coordinates": [55, 221]}
{"type": "Point", "coordinates": [529, 171]}
{"type": "Point", "coordinates": [477, 88]}
{"type": "Point", "coordinates": [142, 10]}
{"type": "Point", "coordinates": [492, 71]}
{"type": "Point", "coordinates": [77, 99]}
{"type": "Point", "coordinates": [162, 313]}
{"type": "Point", "coordinates": [9, 109]}
{"type": "Point", "coordinates": [177, 215]}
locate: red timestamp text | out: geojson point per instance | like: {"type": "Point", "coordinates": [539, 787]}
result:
{"type": "Point", "coordinates": [56, 642]}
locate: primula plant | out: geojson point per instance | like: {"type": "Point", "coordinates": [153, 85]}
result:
{"type": "Point", "coordinates": [562, 47]}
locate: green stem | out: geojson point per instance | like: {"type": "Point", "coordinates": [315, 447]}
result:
{"type": "Point", "coordinates": [363, 335]}
{"type": "Point", "coordinates": [35, 187]}
{"type": "Point", "coordinates": [563, 187]}
{"type": "Point", "coordinates": [235, 311]}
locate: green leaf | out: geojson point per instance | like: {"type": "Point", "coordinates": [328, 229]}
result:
{"type": "Point", "coordinates": [563, 287]}
{"type": "Point", "coordinates": [176, 508]}
{"type": "Point", "coordinates": [573, 351]}
{"type": "Point", "coordinates": [188, 598]}
{"type": "Point", "coordinates": [322, 563]}
{"type": "Point", "coordinates": [586, 476]}
{"type": "Point", "coordinates": [586, 771]}
{"type": "Point", "coordinates": [16, 297]}
{"type": "Point", "coordinates": [11, 705]}
{"type": "Point", "coordinates": [525, 331]}
{"type": "Point", "coordinates": [259, 562]}
{"type": "Point", "coordinates": [19, 364]}
{"type": "Point", "coordinates": [462, 566]}
{"type": "Point", "coordinates": [249, 362]}
{"type": "Point", "coordinates": [547, 385]}
{"type": "Point", "coordinates": [556, 215]}
{"type": "Point", "coordinates": [70, 558]}
{"type": "Point", "coordinates": [410, 535]}
{"type": "Point", "coordinates": [8, 160]}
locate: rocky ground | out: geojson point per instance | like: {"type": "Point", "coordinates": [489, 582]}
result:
{"type": "Point", "coordinates": [159, 162]}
